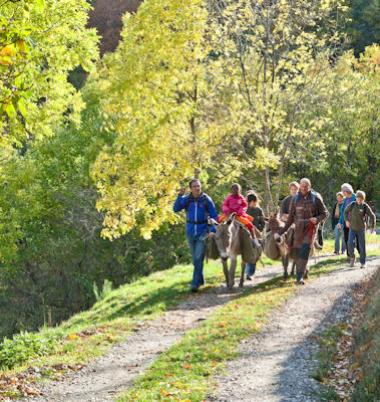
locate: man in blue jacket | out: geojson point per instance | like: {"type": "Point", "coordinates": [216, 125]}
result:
{"type": "Point", "coordinates": [198, 206]}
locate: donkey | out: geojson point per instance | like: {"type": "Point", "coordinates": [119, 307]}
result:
{"type": "Point", "coordinates": [233, 239]}
{"type": "Point", "coordinates": [278, 249]}
{"type": "Point", "coordinates": [281, 249]}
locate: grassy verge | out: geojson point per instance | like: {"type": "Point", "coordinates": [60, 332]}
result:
{"type": "Point", "coordinates": [328, 342]}
{"type": "Point", "coordinates": [328, 244]}
{"type": "Point", "coordinates": [89, 334]}
{"type": "Point", "coordinates": [359, 361]}
{"type": "Point", "coordinates": [366, 349]}
{"type": "Point", "coordinates": [184, 372]}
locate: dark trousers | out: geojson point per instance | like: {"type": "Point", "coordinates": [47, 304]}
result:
{"type": "Point", "coordinates": [346, 232]}
{"type": "Point", "coordinates": [359, 236]}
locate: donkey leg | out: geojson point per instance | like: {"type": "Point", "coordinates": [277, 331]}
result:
{"type": "Point", "coordinates": [225, 270]}
{"type": "Point", "coordinates": [232, 272]}
{"type": "Point", "coordinates": [285, 263]}
{"type": "Point", "coordinates": [293, 268]}
{"type": "Point", "coordinates": [241, 283]}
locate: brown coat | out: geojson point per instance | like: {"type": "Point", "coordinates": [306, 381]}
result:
{"type": "Point", "coordinates": [302, 209]}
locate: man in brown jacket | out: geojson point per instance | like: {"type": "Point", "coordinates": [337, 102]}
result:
{"type": "Point", "coordinates": [307, 210]}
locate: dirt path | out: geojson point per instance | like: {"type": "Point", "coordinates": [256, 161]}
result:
{"type": "Point", "coordinates": [277, 364]}
{"type": "Point", "coordinates": [115, 371]}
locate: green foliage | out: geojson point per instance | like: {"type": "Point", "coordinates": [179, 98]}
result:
{"type": "Point", "coordinates": [364, 29]}
{"type": "Point", "coordinates": [51, 250]}
{"type": "Point", "coordinates": [41, 41]}
{"type": "Point", "coordinates": [106, 290]}
{"type": "Point", "coordinates": [24, 347]}
{"type": "Point", "coordinates": [351, 135]}
{"type": "Point", "coordinates": [155, 91]}
{"type": "Point", "coordinates": [272, 56]}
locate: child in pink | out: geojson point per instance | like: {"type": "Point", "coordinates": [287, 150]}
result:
{"type": "Point", "coordinates": [236, 203]}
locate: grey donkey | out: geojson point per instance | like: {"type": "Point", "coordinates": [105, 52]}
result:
{"type": "Point", "coordinates": [232, 240]}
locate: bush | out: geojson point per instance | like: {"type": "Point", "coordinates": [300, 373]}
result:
{"type": "Point", "coordinates": [24, 347]}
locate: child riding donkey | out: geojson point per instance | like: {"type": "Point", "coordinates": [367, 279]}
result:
{"type": "Point", "coordinates": [235, 203]}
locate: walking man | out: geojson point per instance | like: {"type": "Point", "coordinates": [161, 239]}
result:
{"type": "Point", "coordinates": [307, 210]}
{"type": "Point", "coordinates": [198, 206]}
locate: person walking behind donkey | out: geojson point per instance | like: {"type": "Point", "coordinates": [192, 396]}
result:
{"type": "Point", "coordinates": [355, 216]}
{"type": "Point", "coordinates": [198, 206]}
{"type": "Point", "coordinates": [257, 214]}
{"type": "Point", "coordinates": [337, 211]}
{"type": "Point", "coordinates": [285, 204]}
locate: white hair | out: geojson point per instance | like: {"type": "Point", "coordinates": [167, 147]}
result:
{"type": "Point", "coordinates": [347, 187]}
{"type": "Point", "coordinates": [305, 180]}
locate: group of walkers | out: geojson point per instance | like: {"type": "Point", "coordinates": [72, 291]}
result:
{"type": "Point", "coordinates": [350, 218]}
{"type": "Point", "coordinates": [303, 210]}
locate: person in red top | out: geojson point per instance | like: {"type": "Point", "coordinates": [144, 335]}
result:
{"type": "Point", "coordinates": [236, 203]}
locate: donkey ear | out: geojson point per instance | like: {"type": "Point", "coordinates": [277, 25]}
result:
{"type": "Point", "coordinates": [231, 218]}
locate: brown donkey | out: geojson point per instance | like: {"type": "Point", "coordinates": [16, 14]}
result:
{"type": "Point", "coordinates": [281, 249]}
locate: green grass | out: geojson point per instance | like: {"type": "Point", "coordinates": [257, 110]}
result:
{"type": "Point", "coordinates": [328, 342]}
{"type": "Point", "coordinates": [328, 244]}
{"type": "Point", "coordinates": [185, 371]}
{"type": "Point", "coordinates": [367, 348]}
{"type": "Point", "coordinates": [90, 333]}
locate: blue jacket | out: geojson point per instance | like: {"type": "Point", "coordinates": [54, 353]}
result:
{"type": "Point", "coordinates": [346, 202]}
{"type": "Point", "coordinates": [197, 212]}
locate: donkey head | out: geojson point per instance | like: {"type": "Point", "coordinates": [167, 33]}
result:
{"type": "Point", "coordinates": [274, 224]}
{"type": "Point", "coordinates": [223, 236]}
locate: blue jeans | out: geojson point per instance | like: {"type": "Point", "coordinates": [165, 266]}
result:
{"type": "Point", "coordinates": [197, 244]}
{"type": "Point", "coordinates": [250, 269]}
{"type": "Point", "coordinates": [359, 235]}
{"type": "Point", "coordinates": [338, 234]}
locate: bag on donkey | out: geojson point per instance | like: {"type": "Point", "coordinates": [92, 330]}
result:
{"type": "Point", "coordinates": [212, 249]}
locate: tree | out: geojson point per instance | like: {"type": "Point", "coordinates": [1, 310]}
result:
{"type": "Point", "coordinates": [352, 135]}
{"type": "Point", "coordinates": [274, 55]}
{"type": "Point", "coordinates": [364, 28]}
{"type": "Point", "coordinates": [41, 41]}
{"type": "Point", "coordinates": [156, 99]}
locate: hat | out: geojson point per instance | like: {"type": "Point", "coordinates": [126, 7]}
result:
{"type": "Point", "coordinates": [347, 187]}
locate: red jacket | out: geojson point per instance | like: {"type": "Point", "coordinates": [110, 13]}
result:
{"type": "Point", "coordinates": [234, 203]}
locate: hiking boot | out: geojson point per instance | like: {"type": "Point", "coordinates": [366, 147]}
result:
{"type": "Point", "coordinates": [300, 280]}
{"type": "Point", "coordinates": [249, 278]}
{"type": "Point", "coordinates": [194, 290]}
{"type": "Point", "coordinates": [362, 266]}
{"type": "Point", "coordinates": [352, 262]}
